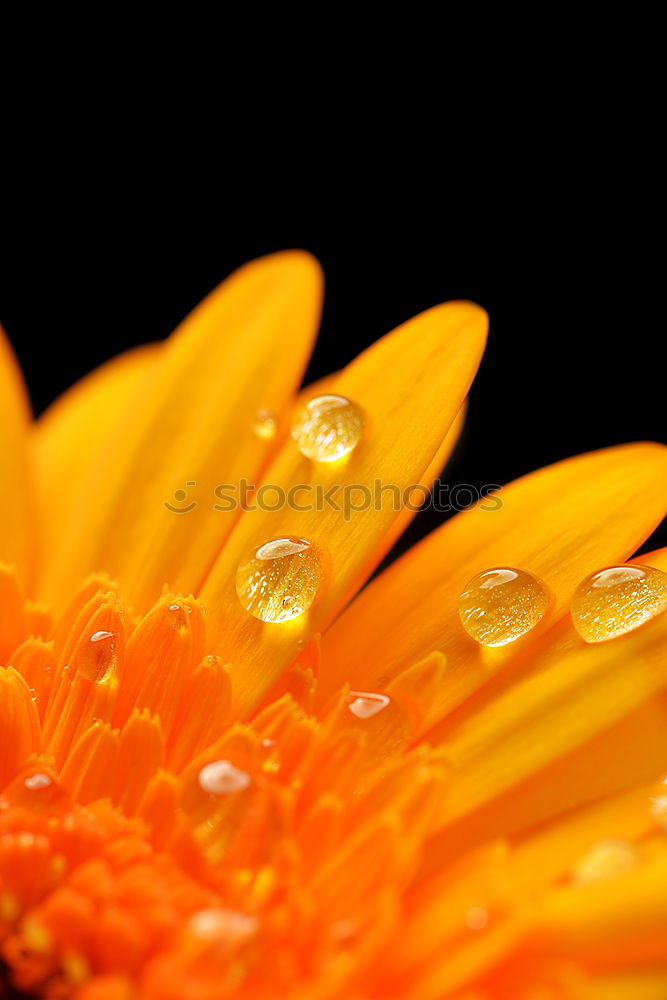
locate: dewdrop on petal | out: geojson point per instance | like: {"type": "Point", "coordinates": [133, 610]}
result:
{"type": "Point", "coordinates": [221, 778]}
{"type": "Point", "coordinates": [500, 605]}
{"type": "Point", "coordinates": [329, 427]}
{"type": "Point", "coordinates": [366, 704]}
{"type": "Point", "coordinates": [280, 579]}
{"type": "Point", "coordinates": [617, 600]}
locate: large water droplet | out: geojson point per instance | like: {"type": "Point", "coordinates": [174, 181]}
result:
{"type": "Point", "coordinates": [265, 425]}
{"type": "Point", "coordinates": [328, 427]}
{"type": "Point", "coordinates": [606, 860]}
{"type": "Point", "coordinates": [280, 579]}
{"type": "Point", "coordinates": [498, 606]}
{"type": "Point", "coordinates": [221, 778]}
{"type": "Point", "coordinates": [98, 655]}
{"type": "Point", "coordinates": [617, 600]}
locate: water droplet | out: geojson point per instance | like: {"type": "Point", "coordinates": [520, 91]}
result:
{"type": "Point", "coordinates": [366, 704]}
{"type": "Point", "coordinates": [617, 600]}
{"type": "Point", "coordinates": [265, 425]}
{"type": "Point", "coordinates": [227, 925]}
{"type": "Point", "coordinates": [176, 616]}
{"type": "Point", "coordinates": [280, 579]}
{"type": "Point", "coordinates": [606, 860]}
{"type": "Point", "coordinates": [98, 636]}
{"type": "Point", "coordinates": [498, 606]}
{"type": "Point", "coordinates": [222, 778]}
{"type": "Point", "coordinates": [476, 918]}
{"type": "Point", "coordinates": [328, 427]}
{"type": "Point", "coordinates": [267, 743]}
{"type": "Point", "coordinates": [98, 655]}
{"type": "Point", "coordinates": [36, 782]}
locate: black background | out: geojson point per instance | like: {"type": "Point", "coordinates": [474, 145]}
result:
{"type": "Point", "coordinates": [574, 357]}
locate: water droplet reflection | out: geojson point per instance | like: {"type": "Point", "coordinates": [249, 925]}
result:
{"type": "Point", "coordinates": [500, 605]}
{"type": "Point", "coordinates": [221, 778]}
{"type": "Point", "coordinates": [280, 579]}
{"type": "Point", "coordinates": [328, 427]}
{"type": "Point", "coordinates": [617, 600]}
{"type": "Point", "coordinates": [366, 704]}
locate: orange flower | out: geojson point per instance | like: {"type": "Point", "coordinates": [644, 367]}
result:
{"type": "Point", "coordinates": [220, 778]}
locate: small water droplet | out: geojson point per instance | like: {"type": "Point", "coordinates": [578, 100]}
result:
{"type": "Point", "coordinates": [176, 616]}
{"type": "Point", "coordinates": [280, 579]}
{"type": "Point", "coordinates": [606, 860]}
{"type": "Point", "coordinates": [617, 600]}
{"type": "Point", "coordinates": [267, 743]}
{"type": "Point", "coordinates": [366, 704]}
{"type": "Point", "coordinates": [98, 636]}
{"type": "Point", "coordinates": [35, 782]}
{"type": "Point", "coordinates": [265, 425]}
{"type": "Point", "coordinates": [228, 925]}
{"type": "Point", "coordinates": [476, 918]}
{"type": "Point", "coordinates": [221, 778]}
{"type": "Point", "coordinates": [500, 605]}
{"type": "Point", "coordinates": [328, 427]}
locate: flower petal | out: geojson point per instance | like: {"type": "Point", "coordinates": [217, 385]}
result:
{"type": "Point", "coordinates": [571, 693]}
{"type": "Point", "coordinates": [242, 350]}
{"type": "Point", "coordinates": [560, 524]}
{"type": "Point", "coordinates": [86, 420]}
{"type": "Point", "coordinates": [15, 499]}
{"type": "Point", "coordinates": [432, 360]}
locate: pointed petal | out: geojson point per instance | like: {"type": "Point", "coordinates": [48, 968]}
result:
{"type": "Point", "coordinates": [560, 524]}
{"type": "Point", "coordinates": [242, 350]}
{"type": "Point", "coordinates": [16, 536]}
{"type": "Point", "coordinates": [411, 384]}
{"type": "Point", "coordinates": [572, 692]}
{"type": "Point", "coordinates": [19, 724]}
{"type": "Point", "coordinates": [84, 422]}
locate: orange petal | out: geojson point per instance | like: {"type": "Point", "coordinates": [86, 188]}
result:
{"type": "Point", "coordinates": [90, 770]}
{"type": "Point", "coordinates": [203, 711]}
{"type": "Point", "coordinates": [572, 692]}
{"type": "Point", "coordinates": [161, 654]}
{"type": "Point", "coordinates": [86, 686]}
{"type": "Point", "coordinates": [86, 421]}
{"type": "Point", "coordinates": [141, 754]}
{"type": "Point", "coordinates": [560, 524]}
{"type": "Point", "coordinates": [16, 525]}
{"type": "Point", "coordinates": [411, 385]}
{"type": "Point", "coordinates": [242, 350]}
{"type": "Point", "coordinates": [19, 724]}
{"type": "Point", "coordinates": [34, 660]}
{"type": "Point", "coordinates": [12, 619]}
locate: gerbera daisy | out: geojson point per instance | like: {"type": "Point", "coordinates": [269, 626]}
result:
{"type": "Point", "coordinates": [223, 774]}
